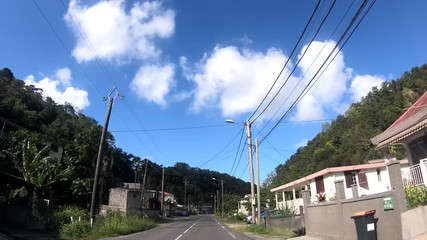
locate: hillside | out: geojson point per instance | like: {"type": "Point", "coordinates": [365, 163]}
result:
{"type": "Point", "coordinates": [346, 140]}
{"type": "Point", "coordinates": [32, 125]}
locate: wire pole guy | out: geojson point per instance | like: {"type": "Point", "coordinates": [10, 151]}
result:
{"type": "Point", "coordinates": [110, 98]}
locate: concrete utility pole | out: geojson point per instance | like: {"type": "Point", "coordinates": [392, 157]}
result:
{"type": "Point", "coordinates": [251, 168]}
{"type": "Point", "coordinates": [143, 183]}
{"type": "Point", "coordinates": [222, 198]}
{"type": "Point", "coordinates": [163, 193]}
{"type": "Point", "coordinates": [258, 191]}
{"type": "Point", "coordinates": [110, 98]}
{"type": "Point", "coordinates": [185, 193]}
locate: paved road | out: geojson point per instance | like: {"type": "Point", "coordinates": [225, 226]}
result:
{"type": "Point", "coordinates": [202, 227]}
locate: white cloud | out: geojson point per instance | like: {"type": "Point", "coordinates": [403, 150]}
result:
{"type": "Point", "coordinates": [234, 80]}
{"type": "Point", "coordinates": [154, 82]}
{"type": "Point", "coordinates": [362, 84]}
{"type": "Point", "coordinates": [326, 93]}
{"type": "Point", "coordinates": [64, 76]}
{"type": "Point", "coordinates": [116, 33]}
{"type": "Point", "coordinates": [52, 88]}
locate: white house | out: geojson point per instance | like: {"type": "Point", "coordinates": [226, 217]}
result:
{"type": "Point", "coordinates": [241, 205]}
{"type": "Point", "coordinates": [369, 179]}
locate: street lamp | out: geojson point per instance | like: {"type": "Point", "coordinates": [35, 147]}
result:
{"type": "Point", "coordinates": [222, 195]}
{"type": "Point", "coordinates": [251, 168]}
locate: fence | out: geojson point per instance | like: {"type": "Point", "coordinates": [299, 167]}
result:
{"type": "Point", "coordinates": [415, 175]}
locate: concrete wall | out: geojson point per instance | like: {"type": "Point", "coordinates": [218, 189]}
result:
{"type": "Point", "coordinates": [117, 197]}
{"type": "Point", "coordinates": [333, 220]}
{"type": "Point", "coordinates": [288, 222]}
{"type": "Point", "coordinates": [411, 228]}
{"type": "Point", "coordinates": [133, 199]}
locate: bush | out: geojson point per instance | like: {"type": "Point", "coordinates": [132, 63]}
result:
{"type": "Point", "coordinates": [416, 196]}
{"type": "Point", "coordinates": [75, 230]}
{"type": "Point", "coordinates": [62, 216]}
{"type": "Point", "coordinates": [115, 224]}
{"type": "Point", "coordinates": [265, 231]}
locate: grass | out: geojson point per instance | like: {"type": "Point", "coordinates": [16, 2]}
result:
{"type": "Point", "coordinates": [114, 224]}
{"type": "Point", "coordinates": [253, 229]}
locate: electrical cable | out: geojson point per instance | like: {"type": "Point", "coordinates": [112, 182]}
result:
{"type": "Point", "coordinates": [363, 5]}
{"type": "Point", "coordinates": [299, 60]}
{"type": "Point", "coordinates": [287, 61]}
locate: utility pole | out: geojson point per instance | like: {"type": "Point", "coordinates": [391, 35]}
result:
{"type": "Point", "coordinates": [251, 168]}
{"type": "Point", "coordinates": [258, 191]}
{"type": "Point", "coordinates": [214, 204]}
{"type": "Point", "coordinates": [163, 193]}
{"type": "Point", "coordinates": [110, 98]}
{"type": "Point", "coordinates": [143, 182]}
{"type": "Point", "coordinates": [185, 193]}
{"type": "Point", "coordinates": [222, 198]}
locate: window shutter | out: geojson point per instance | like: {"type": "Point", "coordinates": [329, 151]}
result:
{"type": "Point", "coordinates": [348, 179]}
{"type": "Point", "coordinates": [363, 180]}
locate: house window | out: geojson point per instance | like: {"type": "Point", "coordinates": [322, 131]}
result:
{"type": "Point", "coordinates": [379, 174]}
{"type": "Point", "coordinates": [350, 178]}
{"type": "Point", "coordinates": [320, 186]}
{"type": "Point", "coordinates": [418, 149]}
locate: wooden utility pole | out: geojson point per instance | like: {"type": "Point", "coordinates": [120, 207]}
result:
{"type": "Point", "coordinates": [93, 203]}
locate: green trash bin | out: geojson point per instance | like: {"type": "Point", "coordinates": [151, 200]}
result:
{"type": "Point", "coordinates": [365, 225]}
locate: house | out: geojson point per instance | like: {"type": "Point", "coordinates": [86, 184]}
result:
{"type": "Point", "coordinates": [363, 179]}
{"type": "Point", "coordinates": [128, 199]}
{"type": "Point", "coordinates": [409, 130]}
{"type": "Point", "coordinates": [241, 205]}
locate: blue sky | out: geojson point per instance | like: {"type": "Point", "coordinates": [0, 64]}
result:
{"type": "Point", "coordinates": [186, 66]}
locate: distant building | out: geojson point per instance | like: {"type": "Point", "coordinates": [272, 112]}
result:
{"type": "Point", "coordinates": [241, 205]}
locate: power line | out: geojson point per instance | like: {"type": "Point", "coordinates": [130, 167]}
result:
{"type": "Point", "coordinates": [318, 54]}
{"type": "Point", "coordinates": [222, 150]}
{"type": "Point", "coordinates": [299, 60]}
{"type": "Point", "coordinates": [287, 61]}
{"type": "Point", "coordinates": [309, 85]}
{"type": "Point", "coordinates": [66, 48]}
{"type": "Point", "coordinates": [237, 152]}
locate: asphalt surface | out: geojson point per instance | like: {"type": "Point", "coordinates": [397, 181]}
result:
{"type": "Point", "coordinates": [192, 228]}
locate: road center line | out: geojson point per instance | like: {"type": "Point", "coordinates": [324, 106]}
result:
{"type": "Point", "coordinates": [187, 229]}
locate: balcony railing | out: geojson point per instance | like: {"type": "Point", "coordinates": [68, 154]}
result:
{"type": "Point", "coordinates": [415, 175]}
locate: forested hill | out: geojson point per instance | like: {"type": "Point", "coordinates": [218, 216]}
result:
{"type": "Point", "coordinates": [32, 125]}
{"type": "Point", "coordinates": [346, 140]}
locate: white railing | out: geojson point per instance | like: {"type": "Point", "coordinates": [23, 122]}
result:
{"type": "Point", "coordinates": [415, 175]}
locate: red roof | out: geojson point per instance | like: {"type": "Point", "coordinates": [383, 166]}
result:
{"type": "Point", "coordinates": [415, 108]}
{"type": "Point", "coordinates": [410, 122]}
{"type": "Point", "coordinates": [305, 180]}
